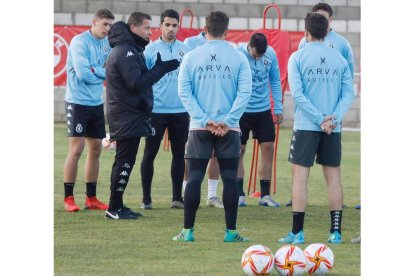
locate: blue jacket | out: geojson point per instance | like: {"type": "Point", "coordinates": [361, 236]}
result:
{"type": "Point", "coordinates": [321, 84]}
{"type": "Point", "coordinates": [339, 43]}
{"type": "Point", "coordinates": [215, 83]}
{"type": "Point", "coordinates": [84, 86]}
{"type": "Point", "coordinates": [165, 91]}
{"type": "Point", "coordinates": [265, 71]}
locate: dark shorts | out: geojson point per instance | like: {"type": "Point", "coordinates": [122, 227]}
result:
{"type": "Point", "coordinates": [305, 145]}
{"type": "Point", "coordinates": [177, 124]}
{"type": "Point", "coordinates": [202, 142]}
{"type": "Point", "coordinates": [261, 124]}
{"type": "Point", "coordinates": [85, 121]}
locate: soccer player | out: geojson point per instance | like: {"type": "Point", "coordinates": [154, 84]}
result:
{"type": "Point", "coordinates": [333, 40]}
{"type": "Point", "coordinates": [258, 116]}
{"type": "Point", "coordinates": [214, 85]}
{"type": "Point", "coordinates": [85, 70]}
{"type": "Point", "coordinates": [168, 112]}
{"type": "Point", "coordinates": [129, 101]}
{"type": "Point", "coordinates": [321, 85]}
{"type": "Point", "coordinates": [213, 168]}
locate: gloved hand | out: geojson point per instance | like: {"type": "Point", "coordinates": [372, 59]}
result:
{"type": "Point", "coordinates": [165, 66]}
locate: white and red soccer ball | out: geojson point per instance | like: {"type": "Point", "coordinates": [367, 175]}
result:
{"type": "Point", "coordinates": [290, 260]}
{"type": "Point", "coordinates": [257, 260]}
{"type": "Point", "coordinates": [320, 258]}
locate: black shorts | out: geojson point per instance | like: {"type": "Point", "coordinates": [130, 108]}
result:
{"type": "Point", "coordinates": [85, 121]}
{"type": "Point", "coordinates": [305, 145]}
{"type": "Point", "coordinates": [177, 124]}
{"type": "Point", "coordinates": [261, 124]}
{"type": "Point", "coordinates": [202, 142]}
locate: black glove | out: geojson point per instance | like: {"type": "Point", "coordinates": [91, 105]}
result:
{"type": "Point", "coordinates": [165, 66]}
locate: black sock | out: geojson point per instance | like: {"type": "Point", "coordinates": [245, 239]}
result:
{"type": "Point", "coordinates": [240, 183]}
{"type": "Point", "coordinates": [298, 218]}
{"type": "Point", "coordinates": [228, 172]}
{"type": "Point", "coordinates": [336, 220]}
{"type": "Point", "coordinates": [68, 188]}
{"type": "Point", "coordinates": [264, 188]}
{"type": "Point", "coordinates": [196, 171]}
{"type": "Point", "coordinates": [90, 189]}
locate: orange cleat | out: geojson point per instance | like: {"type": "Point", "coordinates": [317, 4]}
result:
{"type": "Point", "coordinates": [70, 205]}
{"type": "Point", "coordinates": [92, 203]}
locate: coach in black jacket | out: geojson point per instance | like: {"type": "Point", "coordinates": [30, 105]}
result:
{"type": "Point", "coordinates": [129, 101]}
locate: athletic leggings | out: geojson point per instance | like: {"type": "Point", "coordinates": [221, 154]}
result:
{"type": "Point", "coordinates": [196, 172]}
{"type": "Point", "coordinates": [177, 168]}
{"type": "Point", "coordinates": [126, 152]}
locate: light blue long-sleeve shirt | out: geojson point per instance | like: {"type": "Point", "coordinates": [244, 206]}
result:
{"type": "Point", "coordinates": [195, 41]}
{"type": "Point", "coordinates": [165, 91]}
{"type": "Point", "coordinates": [265, 71]}
{"type": "Point", "coordinates": [84, 86]}
{"type": "Point", "coordinates": [321, 84]}
{"type": "Point", "coordinates": [339, 43]}
{"type": "Point", "coordinates": [215, 83]}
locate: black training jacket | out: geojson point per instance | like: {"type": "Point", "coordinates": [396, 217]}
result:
{"type": "Point", "coordinates": [129, 95]}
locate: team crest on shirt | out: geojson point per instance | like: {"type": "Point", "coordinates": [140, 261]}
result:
{"type": "Point", "coordinates": [181, 53]}
{"type": "Point", "coordinates": [265, 62]}
{"type": "Point", "coordinates": [106, 49]}
{"type": "Point", "coordinates": [331, 45]}
{"type": "Point", "coordinates": [153, 131]}
{"type": "Point", "coordinates": [79, 128]}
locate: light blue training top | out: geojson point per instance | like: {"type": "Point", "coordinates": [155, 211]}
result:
{"type": "Point", "coordinates": [265, 71]}
{"type": "Point", "coordinates": [84, 86]}
{"type": "Point", "coordinates": [215, 83]}
{"type": "Point", "coordinates": [165, 91]}
{"type": "Point", "coordinates": [195, 41]}
{"type": "Point", "coordinates": [321, 84]}
{"type": "Point", "coordinates": [339, 43]}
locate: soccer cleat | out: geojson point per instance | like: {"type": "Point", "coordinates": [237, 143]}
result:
{"type": "Point", "coordinates": [358, 207]}
{"type": "Point", "coordinates": [357, 239]}
{"type": "Point", "coordinates": [242, 201]}
{"type": "Point", "coordinates": [70, 205]}
{"type": "Point", "coordinates": [267, 200]}
{"type": "Point", "coordinates": [335, 237]}
{"type": "Point", "coordinates": [146, 206]}
{"type": "Point", "coordinates": [120, 214]}
{"type": "Point", "coordinates": [186, 235]}
{"type": "Point", "coordinates": [233, 236]}
{"type": "Point", "coordinates": [176, 204]}
{"type": "Point", "coordinates": [289, 203]}
{"type": "Point", "coordinates": [214, 202]}
{"type": "Point", "coordinates": [298, 238]}
{"type": "Point", "coordinates": [92, 203]}
{"type": "Point", "coordinates": [132, 213]}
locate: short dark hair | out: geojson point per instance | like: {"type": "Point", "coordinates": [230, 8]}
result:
{"type": "Point", "coordinates": [217, 23]}
{"type": "Point", "coordinates": [170, 13]}
{"type": "Point", "coordinates": [136, 18]}
{"type": "Point", "coordinates": [316, 24]}
{"type": "Point", "coordinates": [258, 41]}
{"type": "Point", "coordinates": [104, 13]}
{"type": "Point", "coordinates": [324, 7]}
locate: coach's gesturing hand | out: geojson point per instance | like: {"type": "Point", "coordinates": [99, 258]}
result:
{"type": "Point", "coordinates": [166, 66]}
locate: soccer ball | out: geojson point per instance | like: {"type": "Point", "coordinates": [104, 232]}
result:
{"type": "Point", "coordinates": [290, 260]}
{"type": "Point", "coordinates": [107, 144]}
{"type": "Point", "coordinates": [319, 258]}
{"type": "Point", "coordinates": [257, 260]}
